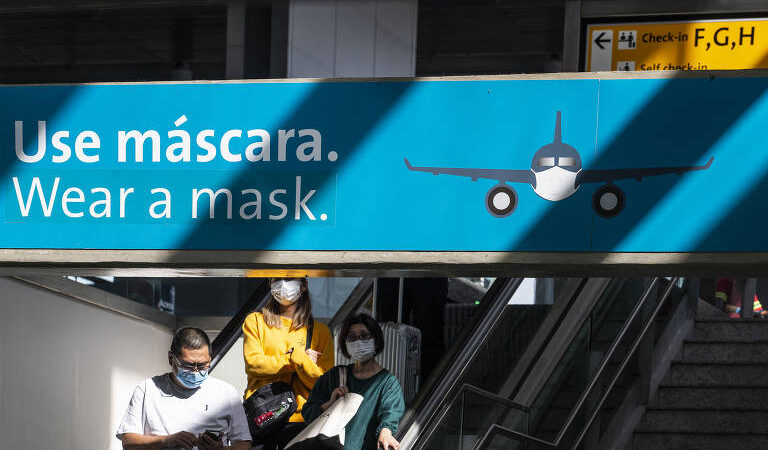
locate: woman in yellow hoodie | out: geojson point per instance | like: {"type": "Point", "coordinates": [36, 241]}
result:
{"type": "Point", "coordinates": [274, 349]}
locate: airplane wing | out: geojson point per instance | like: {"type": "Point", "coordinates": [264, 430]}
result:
{"type": "Point", "coordinates": [512, 176]}
{"type": "Point", "coordinates": [606, 175]}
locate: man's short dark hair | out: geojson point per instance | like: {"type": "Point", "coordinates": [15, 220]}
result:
{"type": "Point", "coordinates": [373, 328]}
{"type": "Point", "coordinates": [191, 338]}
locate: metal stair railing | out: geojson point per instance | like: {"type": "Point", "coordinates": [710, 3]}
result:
{"type": "Point", "coordinates": [560, 337]}
{"type": "Point", "coordinates": [421, 424]}
{"type": "Point", "coordinates": [498, 430]}
{"type": "Point", "coordinates": [430, 403]}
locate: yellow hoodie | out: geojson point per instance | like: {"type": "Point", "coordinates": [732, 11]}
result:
{"type": "Point", "coordinates": [267, 357]}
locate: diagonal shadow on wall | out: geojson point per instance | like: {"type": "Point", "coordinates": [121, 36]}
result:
{"type": "Point", "coordinates": [370, 107]}
{"type": "Point", "coordinates": [700, 110]}
{"type": "Point", "coordinates": [746, 216]}
{"type": "Point", "coordinates": [46, 104]}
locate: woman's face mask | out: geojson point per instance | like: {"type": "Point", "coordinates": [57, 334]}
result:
{"type": "Point", "coordinates": [361, 350]}
{"type": "Point", "coordinates": [286, 292]}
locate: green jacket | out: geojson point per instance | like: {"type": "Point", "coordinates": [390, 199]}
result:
{"type": "Point", "coordinates": [383, 406]}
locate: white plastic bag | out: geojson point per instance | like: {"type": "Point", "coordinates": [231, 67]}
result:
{"type": "Point", "coordinates": [327, 430]}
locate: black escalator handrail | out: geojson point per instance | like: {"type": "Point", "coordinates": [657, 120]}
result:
{"type": "Point", "coordinates": [234, 328]}
{"type": "Point", "coordinates": [515, 435]}
{"type": "Point", "coordinates": [454, 364]}
{"type": "Point", "coordinates": [541, 338]}
{"type": "Point", "coordinates": [355, 299]}
{"type": "Point", "coordinates": [576, 312]}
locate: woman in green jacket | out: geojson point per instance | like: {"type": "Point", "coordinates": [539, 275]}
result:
{"type": "Point", "coordinates": [377, 419]}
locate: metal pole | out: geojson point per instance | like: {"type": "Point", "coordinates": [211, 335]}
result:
{"type": "Point", "coordinates": [748, 297]}
{"type": "Point", "coordinates": [235, 52]}
{"type": "Point", "coordinates": [645, 351]}
{"type": "Point", "coordinates": [461, 420]}
{"type": "Point", "coordinates": [571, 36]}
{"type": "Point", "coordinates": [400, 300]}
{"type": "Point", "coordinates": [694, 287]}
{"type": "Point", "coordinates": [375, 296]}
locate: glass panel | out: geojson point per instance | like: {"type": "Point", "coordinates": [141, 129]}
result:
{"type": "Point", "coordinates": [469, 417]}
{"type": "Point", "coordinates": [446, 435]}
{"type": "Point", "coordinates": [580, 362]}
{"type": "Point", "coordinates": [481, 412]}
{"type": "Point", "coordinates": [211, 296]}
{"type": "Point", "coordinates": [497, 355]}
{"type": "Point", "coordinates": [500, 441]}
{"type": "Point", "coordinates": [492, 365]}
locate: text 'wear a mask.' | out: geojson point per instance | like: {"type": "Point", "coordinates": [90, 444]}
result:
{"type": "Point", "coordinates": [286, 292]}
{"type": "Point", "coordinates": [361, 350]}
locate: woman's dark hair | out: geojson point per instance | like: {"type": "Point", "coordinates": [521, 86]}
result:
{"type": "Point", "coordinates": [373, 328]}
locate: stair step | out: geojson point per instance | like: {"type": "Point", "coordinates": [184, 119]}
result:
{"type": "Point", "coordinates": [676, 420]}
{"type": "Point", "coordinates": [702, 441]}
{"type": "Point", "coordinates": [717, 374]}
{"type": "Point", "coordinates": [730, 352]}
{"type": "Point", "coordinates": [688, 397]}
{"type": "Point", "coordinates": [718, 330]}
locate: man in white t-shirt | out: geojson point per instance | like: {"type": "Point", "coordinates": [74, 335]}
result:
{"type": "Point", "coordinates": [185, 408]}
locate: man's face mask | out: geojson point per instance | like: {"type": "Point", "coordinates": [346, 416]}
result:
{"type": "Point", "coordinates": [286, 292]}
{"type": "Point", "coordinates": [191, 377]}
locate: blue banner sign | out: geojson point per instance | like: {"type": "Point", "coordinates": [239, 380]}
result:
{"type": "Point", "coordinates": [551, 165]}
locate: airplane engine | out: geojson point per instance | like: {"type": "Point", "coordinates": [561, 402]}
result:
{"type": "Point", "coordinates": [608, 201]}
{"type": "Point", "coordinates": [501, 200]}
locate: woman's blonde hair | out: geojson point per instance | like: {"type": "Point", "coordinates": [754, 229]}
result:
{"type": "Point", "coordinates": [302, 314]}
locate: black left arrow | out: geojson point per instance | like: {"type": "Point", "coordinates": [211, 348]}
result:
{"type": "Point", "coordinates": [599, 40]}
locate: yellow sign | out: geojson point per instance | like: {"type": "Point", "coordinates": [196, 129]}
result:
{"type": "Point", "coordinates": [696, 45]}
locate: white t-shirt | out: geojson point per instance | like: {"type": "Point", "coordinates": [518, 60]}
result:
{"type": "Point", "coordinates": [160, 407]}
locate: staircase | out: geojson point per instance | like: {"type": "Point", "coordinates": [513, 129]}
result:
{"type": "Point", "coordinates": [715, 395]}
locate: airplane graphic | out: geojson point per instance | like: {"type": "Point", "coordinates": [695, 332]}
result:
{"type": "Point", "coordinates": [555, 175]}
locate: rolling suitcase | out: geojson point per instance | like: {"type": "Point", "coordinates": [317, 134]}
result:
{"type": "Point", "coordinates": [401, 355]}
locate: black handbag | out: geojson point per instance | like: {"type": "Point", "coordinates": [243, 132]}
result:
{"type": "Point", "coordinates": [269, 408]}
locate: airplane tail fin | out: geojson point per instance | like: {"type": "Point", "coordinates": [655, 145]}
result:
{"type": "Point", "coordinates": [558, 136]}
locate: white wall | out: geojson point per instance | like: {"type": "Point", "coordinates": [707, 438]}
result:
{"type": "Point", "coordinates": [68, 369]}
{"type": "Point", "coordinates": [352, 38]}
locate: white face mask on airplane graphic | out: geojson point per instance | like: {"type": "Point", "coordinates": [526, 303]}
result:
{"type": "Point", "coordinates": [555, 183]}
{"type": "Point", "coordinates": [286, 292]}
